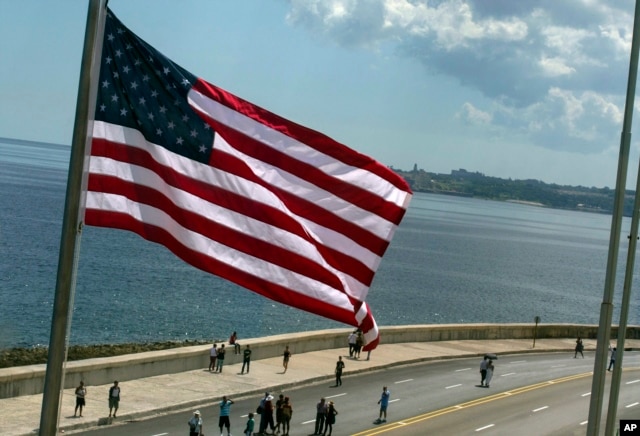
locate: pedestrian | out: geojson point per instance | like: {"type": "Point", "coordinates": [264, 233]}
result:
{"type": "Point", "coordinates": [483, 370]}
{"type": "Point", "coordinates": [339, 368]}
{"type": "Point", "coordinates": [195, 424]}
{"type": "Point", "coordinates": [266, 414]}
{"type": "Point", "coordinates": [81, 393]}
{"type": "Point", "coordinates": [220, 360]}
{"type": "Point", "coordinates": [246, 359]}
{"type": "Point", "coordinates": [579, 348]}
{"type": "Point", "coordinates": [489, 376]}
{"type": "Point", "coordinates": [612, 360]}
{"type": "Point", "coordinates": [286, 357]}
{"type": "Point", "coordinates": [279, 416]}
{"type": "Point", "coordinates": [213, 354]}
{"type": "Point", "coordinates": [331, 418]}
{"type": "Point", "coordinates": [225, 408]}
{"type": "Point", "coordinates": [359, 344]}
{"type": "Point", "coordinates": [114, 398]}
{"type": "Point", "coordinates": [321, 415]}
{"type": "Point", "coordinates": [352, 342]}
{"type": "Point", "coordinates": [287, 413]}
{"type": "Point", "coordinates": [248, 429]}
{"type": "Point", "coordinates": [233, 340]}
{"type": "Point", "coordinates": [384, 403]}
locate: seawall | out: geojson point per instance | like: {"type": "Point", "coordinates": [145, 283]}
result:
{"type": "Point", "coordinates": [29, 380]}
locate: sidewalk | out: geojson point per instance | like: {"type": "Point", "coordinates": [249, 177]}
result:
{"type": "Point", "coordinates": [193, 389]}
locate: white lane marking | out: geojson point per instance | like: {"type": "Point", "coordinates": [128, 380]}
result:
{"type": "Point", "coordinates": [453, 386]}
{"type": "Point", "coordinates": [403, 381]}
{"type": "Point", "coordinates": [507, 374]}
{"type": "Point", "coordinates": [584, 422]}
{"type": "Point", "coordinates": [518, 361]}
{"type": "Point", "coordinates": [393, 401]}
{"type": "Point", "coordinates": [632, 404]}
{"type": "Point", "coordinates": [308, 422]}
{"type": "Point", "coordinates": [558, 366]}
{"type": "Point", "coordinates": [586, 395]}
{"type": "Point", "coordinates": [540, 408]}
{"type": "Point", "coordinates": [160, 434]}
{"type": "Point", "coordinates": [463, 369]}
{"type": "Point", "coordinates": [632, 381]}
{"type": "Point", "coordinates": [337, 395]}
{"type": "Point", "coordinates": [485, 427]}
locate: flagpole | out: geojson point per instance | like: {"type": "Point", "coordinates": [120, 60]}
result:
{"type": "Point", "coordinates": [72, 220]}
{"type": "Point", "coordinates": [606, 310]}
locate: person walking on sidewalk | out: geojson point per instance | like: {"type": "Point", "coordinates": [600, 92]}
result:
{"type": "Point", "coordinates": [246, 359]}
{"type": "Point", "coordinates": [195, 424]}
{"type": "Point", "coordinates": [285, 358]}
{"type": "Point", "coordinates": [225, 409]}
{"type": "Point", "coordinates": [339, 368]}
{"type": "Point", "coordinates": [213, 354]}
{"type": "Point", "coordinates": [114, 398]}
{"type": "Point", "coordinates": [579, 348]}
{"type": "Point", "coordinates": [321, 414]}
{"type": "Point", "coordinates": [384, 403]}
{"type": "Point", "coordinates": [81, 393]}
{"type": "Point", "coordinates": [220, 360]}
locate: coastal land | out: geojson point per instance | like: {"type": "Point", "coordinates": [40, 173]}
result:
{"type": "Point", "coordinates": [532, 192]}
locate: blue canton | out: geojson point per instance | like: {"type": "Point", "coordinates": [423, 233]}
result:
{"type": "Point", "coordinates": [142, 89]}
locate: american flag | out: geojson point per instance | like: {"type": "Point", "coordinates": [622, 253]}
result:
{"type": "Point", "coordinates": [235, 190]}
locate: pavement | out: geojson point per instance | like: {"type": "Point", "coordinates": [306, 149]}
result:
{"type": "Point", "coordinates": [187, 391]}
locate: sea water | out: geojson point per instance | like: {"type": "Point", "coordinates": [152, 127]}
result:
{"type": "Point", "coordinates": [452, 260]}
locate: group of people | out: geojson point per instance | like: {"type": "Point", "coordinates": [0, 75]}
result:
{"type": "Point", "coordinates": [486, 371]}
{"type": "Point", "coordinates": [356, 342]}
{"type": "Point", "coordinates": [114, 399]}
{"type": "Point", "coordinates": [325, 417]}
{"type": "Point", "coordinates": [196, 423]}
{"type": "Point", "coordinates": [283, 410]}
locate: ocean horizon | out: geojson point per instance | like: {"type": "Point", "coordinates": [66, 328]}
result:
{"type": "Point", "coordinates": [453, 260]}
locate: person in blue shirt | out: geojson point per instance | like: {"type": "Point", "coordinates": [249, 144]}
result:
{"type": "Point", "coordinates": [384, 403]}
{"type": "Point", "coordinates": [225, 409]}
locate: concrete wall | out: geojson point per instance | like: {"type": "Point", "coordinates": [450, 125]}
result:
{"type": "Point", "coordinates": [29, 380]}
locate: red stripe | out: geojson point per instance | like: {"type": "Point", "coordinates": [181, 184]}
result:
{"type": "Point", "coordinates": [246, 206]}
{"type": "Point", "coordinates": [256, 284]}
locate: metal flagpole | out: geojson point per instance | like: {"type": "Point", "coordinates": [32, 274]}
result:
{"type": "Point", "coordinates": [606, 310]}
{"type": "Point", "coordinates": [72, 220]}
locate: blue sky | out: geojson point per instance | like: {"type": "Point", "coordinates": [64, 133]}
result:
{"type": "Point", "coordinates": [531, 89]}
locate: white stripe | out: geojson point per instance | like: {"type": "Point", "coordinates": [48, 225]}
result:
{"type": "Point", "coordinates": [197, 242]}
{"type": "Point", "coordinates": [228, 218]}
{"type": "Point", "coordinates": [312, 193]}
{"type": "Point", "coordinates": [300, 151]}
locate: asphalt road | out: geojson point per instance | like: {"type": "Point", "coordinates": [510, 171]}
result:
{"type": "Point", "coordinates": [436, 398]}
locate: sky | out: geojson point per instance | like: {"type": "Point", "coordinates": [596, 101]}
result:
{"type": "Point", "coordinates": [514, 89]}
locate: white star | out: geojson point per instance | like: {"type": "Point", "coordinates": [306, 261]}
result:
{"type": "Point", "coordinates": [185, 82]}
{"type": "Point", "coordinates": [108, 60]}
{"type": "Point", "coordinates": [142, 101]}
{"type": "Point", "coordinates": [203, 149]}
{"type": "Point", "coordinates": [194, 133]}
{"type": "Point", "coordinates": [163, 109]}
{"type": "Point", "coordinates": [105, 84]}
{"type": "Point", "coordinates": [137, 62]}
{"type": "Point", "coordinates": [123, 112]}
{"type": "Point", "coordinates": [206, 126]}
{"type": "Point", "coordinates": [145, 78]}
{"type": "Point", "coordinates": [114, 97]}
{"type": "Point", "coordinates": [103, 107]}
{"type": "Point", "coordinates": [171, 125]}
{"type": "Point", "coordinates": [134, 85]}
{"type": "Point", "coordinates": [151, 116]}
{"type": "Point", "coordinates": [179, 141]}
{"type": "Point", "coordinates": [154, 93]}
{"type": "Point", "coordinates": [118, 53]}
{"type": "Point", "coordinates": [166, 70]}
{"type": "Point", "coordinates": [185, 118]}
{"type": "Point", "coordinates": [129, 46]}
{"type": "Point", "coordinates": [115, 75]}
{"type": "Point", "coordinates": [126, 69]}
{"type": "Point", "coordinates": [158, 132]}
{"type": "Point", "coordinates": [111, 37]}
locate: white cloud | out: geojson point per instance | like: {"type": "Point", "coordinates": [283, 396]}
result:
{"type": "Point", "coordinates": [474, 115]}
